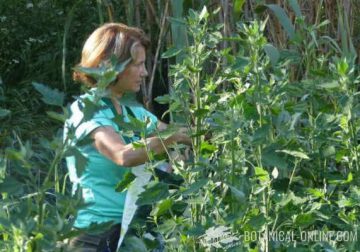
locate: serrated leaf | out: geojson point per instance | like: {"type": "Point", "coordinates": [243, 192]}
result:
{"type": "Point", "coordinates": [80, 160]}
{"type": "Point", "coordinates": [153, 194]}
{"type": "Point", "coordinates": [125, 182]}
{"type": "Point", "coordinates": [89, 108]}
{"type": "Point", "coordinates": [50, 96]}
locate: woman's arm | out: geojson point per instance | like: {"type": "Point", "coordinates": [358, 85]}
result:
{"type": "Point", "coordinates": [109, 143]}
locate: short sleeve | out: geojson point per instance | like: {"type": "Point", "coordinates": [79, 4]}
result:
{"type": "Point", "coordinates": [101, 118]}
{"type": "Point", "coordinates": [142, 114]}
{"type": "Point", "coordinates": [153, 121]}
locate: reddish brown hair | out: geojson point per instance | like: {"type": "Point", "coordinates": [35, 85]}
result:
{"type": "Point", "coordinates": [107, 40]}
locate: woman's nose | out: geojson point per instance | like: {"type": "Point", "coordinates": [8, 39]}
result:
{"type": "Point", "coordinates": [144, 72]}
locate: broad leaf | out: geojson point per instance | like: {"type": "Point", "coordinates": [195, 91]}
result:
{"type": "Point", "coordinates": [273, 53]}
{"type": "Point", "coordinates": [50, 96]}
{"type": "Point", "coordinates": [125, 182]}
{"type": "Point", "coordinates": [4, 112]}
{"type": "Point", "coordinates": [195, 187]}
{"type": "Point", "coordinates": [173, 51]}
{"type": "Point", "coordinates": [283, 19]}
{"type": "Point", "coordinates": [154, 192]}
{"type": "Point", "coordinates": [297, 154]}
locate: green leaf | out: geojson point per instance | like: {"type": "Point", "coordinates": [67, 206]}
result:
{"type": "Point", "coordinates": [4, 112]}
{"type": "Point", "coordinates": [329, 85]}
{"type": "Point", "coordinates": [50, 96]}
{"type": "Point", "coordinates": [273, 53]}
{"type": "Point", "coordinates": [204, 13]}
{"type": "Point", "coordinates": [305, 219]}
{"type": "Point", "coordinates": [154, 192]}
{"type": "Point", "coordinates": [283, 19]}
{"type": "Point", "coordinates": [207, 148]}
{"type": "Point", "coordinates": [56, 116]}
{"type": "Point", "coordinates": [195, 187]}
{"type": "Point", "coordinates": [316, 193]}
{"type": "Point", "coordinates": [89, 108]}
{"type": "Point", "coordinates": [80, 159]}
{"type": "Point", "coordinates": [238, 4]}
{"type": "Point", "coordinates": [125, 182]}
{"type": "Point", "coordinates": [138, 145]}
{"type": "Point", "coordinates": [11, 186]}
{"type": "Point", "coordinates": [173, 51]}
{"type": "Point", "coordinates": [262, 174]}
{"type": "Point", "coordinates": [261, 134]}
{"type": "Point", "coordinates": [134, 244]}
{"type": "Point", "coordinates": [169, 131]}
{"type": "Point", "coordinates": [94, 72]}
{"type": "Point", "coordinates": [257, 222]}
{"type": "Point", "coordinates": [165, 99]}
{"type": "Point", "coordinates": [296, 8]}
{"type": "Point", "coordinates": [271, 158]}
{"type": "Point", "coordinates": [329, 151]}
{"type": "Point", "coordinates": [129, 99]}
{"type": "Point", "coordinates": [239, 195]}
{"type": "Point", "coordinates": [345, 202]}
{"type": "Point", "coordinates": [162, 207]}
{"type": "Point", "coordinates": [297, 154]}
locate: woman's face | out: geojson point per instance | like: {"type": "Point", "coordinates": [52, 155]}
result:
{"type": "Point", "coordinates": [130, 80]}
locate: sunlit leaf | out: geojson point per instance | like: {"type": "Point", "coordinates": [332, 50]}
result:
{"type": "Point", "coordinates": [297, 154]}
{"type": "Point", "coordinates": [162, 207]}
{"type": "Point", "coordinates": [173, 51]}
{"type": "Point", "coordinates": [125, 182]}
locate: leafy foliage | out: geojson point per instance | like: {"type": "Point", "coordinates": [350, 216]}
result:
{"type": "Point", "coordinates": [275, 130]}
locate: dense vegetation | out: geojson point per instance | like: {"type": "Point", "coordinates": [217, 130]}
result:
{"type": "Point", "coordinates": [270, 94]}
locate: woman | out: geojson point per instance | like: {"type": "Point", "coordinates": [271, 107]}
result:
{"type": "Point", "coordinates": [110, 154]}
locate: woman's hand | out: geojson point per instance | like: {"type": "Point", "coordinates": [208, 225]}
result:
{"type": "Point", "coordinates": [183, 136]}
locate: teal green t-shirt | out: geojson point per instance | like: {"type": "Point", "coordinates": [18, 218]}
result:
{"type": "Point", "coordinates": [100, 176]}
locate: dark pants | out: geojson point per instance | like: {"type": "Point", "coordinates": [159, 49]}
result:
{"type": "Point", "coordinates": [103, 242]}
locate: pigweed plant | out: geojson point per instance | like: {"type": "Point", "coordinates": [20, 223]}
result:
{"type": "Point", "coordinates": [274, 156]}
{"type": "Point", "coordinates": [273, 152]}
